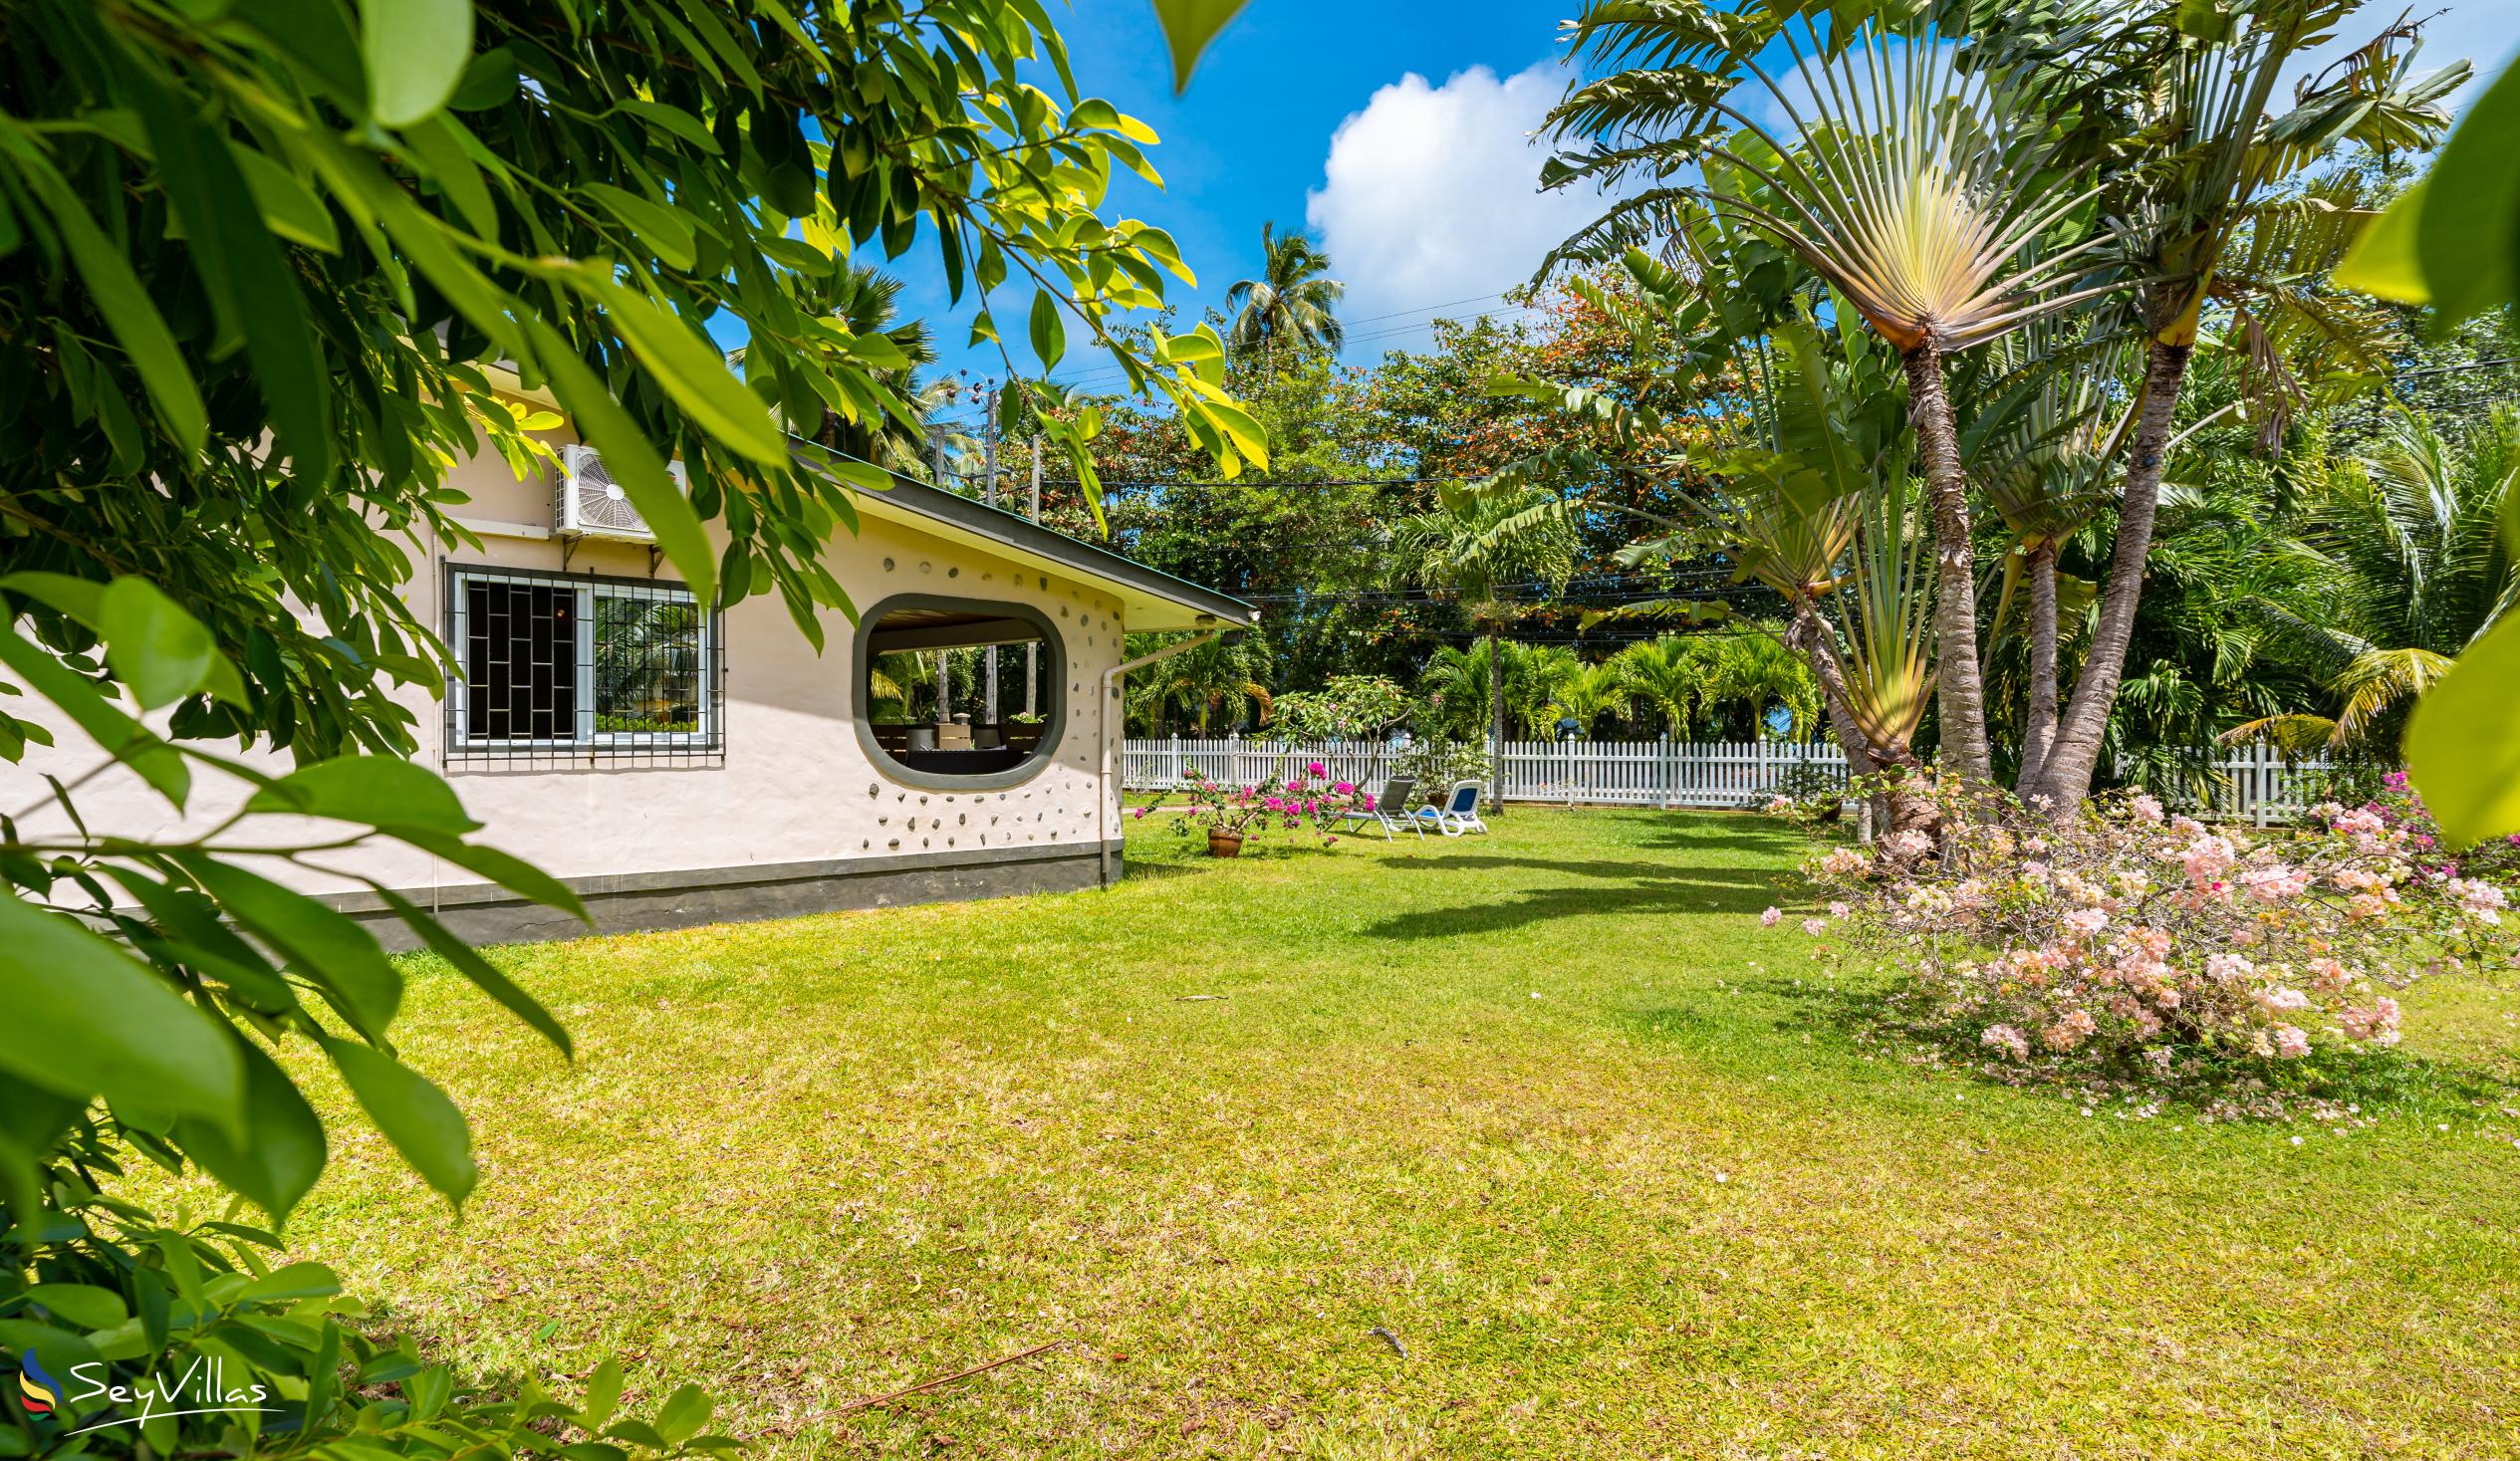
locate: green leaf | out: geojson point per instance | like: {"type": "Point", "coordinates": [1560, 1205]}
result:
{"type": "Point", "coordinates": [325, 944]}
{"type": "Point", "coordinates": [190, 931]}
{"type": "Point", "coordinates": [631, 460]}
{"type": "Point", "coordinates": [1189, 26]}
{"type": "Point", "coordinates": [416, 1116]}
{"type": "Point", "coordinates": [2383, 260]}
{"type": "Point", "coordinates": [1050, 336]}
{"type": "Point", "coordinates": [489, 79]}
{"type": "Point", "coordinates": [385, 792]}
{"type": "Point", "coordinates": [2464, 741]}
{"type": "Point", "coordinates": [85, 1018]}
{"type": "Point", "coordinates": [323, 1375]}
{"type": "Point", "coordinates": [662, 231]}
{"type": "Point", "coordinates": [127, 308]}
{"type": "Point", "coordinates": [1196, 350]}
{"type": "Point", "coordinates": [878, 350]}
{"type": "Point", "coordinates": [37, 1118]}
{"type": "Point", "coordinates": [484, 975]}
{"type": "Point", "coordinates": [692, 372]}
{"type": "Point", "coordinates": [81, 599]}
{"type": "Point", "coordinates": [241, 266]}
{"type": "Point", "coordinates": [603, 1393]}
{"type": "Point", "coordinates": [83, 1304]}
{"type": "Point", "coordinates": [284, 1149]}
{"type": "Point", "coordinates": [126, 739]}
{"type": "Point", "coordinates": [438, 147]}
{"type": "Point", "coordinates": [416, 50]}
{"type": "Point", "coordinates": [315, 34]}
{"type": "Point", "coordinates": [1239, 428]}
{"type": "Point", "coordinates": [292, 1282]}
{"type": "Point", "coordinates": [152, 644]}
{"type": "Point", "coordinates": [674, 119]}
{"type": "Point", "coordinates": [507, 871]}
{"type": "Point", "coordinates": [684, 1412]}
{"type": "Point", "coordinates": [2469, 234]}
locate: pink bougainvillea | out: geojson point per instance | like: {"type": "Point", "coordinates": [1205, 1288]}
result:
{"type": "Point", "coordinates": [1244, 811]}
{"type": "Point", "coordinates": [2148, 944]}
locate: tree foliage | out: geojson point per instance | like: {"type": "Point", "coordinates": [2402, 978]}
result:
{"type": "Point", "coordinates": [270, 268]}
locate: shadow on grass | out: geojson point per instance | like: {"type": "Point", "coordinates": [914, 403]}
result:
{"type": "Point", "coordinates": [1780, 844]}
{"type": "Point", "coordinates": [1639, 870]}
{"type": "Point", "coordinates": [1144, 868]}
{"type": "Point", "coordinates": [1653, 888]}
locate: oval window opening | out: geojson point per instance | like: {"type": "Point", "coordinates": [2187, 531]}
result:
{"type": "Point", "coordinates": [924, 707]}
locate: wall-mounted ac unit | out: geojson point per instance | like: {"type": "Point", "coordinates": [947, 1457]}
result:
{"type": "Point", "coordinates": [593, 505]}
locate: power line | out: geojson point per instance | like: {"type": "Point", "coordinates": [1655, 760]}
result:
{"type": "Point", "coordinates": [2498, 362]}
{"type": "Point", "coordinates": [1446, 305]}
{"type": "Point", "coordinates": [1147, 482]}
{"type": "Point", "coordinates": [1595, 586]}
{"type": "Point", "coordinates": [1105, 373]}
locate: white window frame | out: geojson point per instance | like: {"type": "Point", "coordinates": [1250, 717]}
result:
{"type": "Point", "coordinates": [582, 657]}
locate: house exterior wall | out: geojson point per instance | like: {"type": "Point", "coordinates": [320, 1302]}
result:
{"type": "Point", "coordinates": [794, 817]}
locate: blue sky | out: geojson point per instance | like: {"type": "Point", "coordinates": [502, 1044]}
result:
{"type": "Point", "coordinates": [1398, 132]}
{"type": "Point", "coordinates": [1252, 140]}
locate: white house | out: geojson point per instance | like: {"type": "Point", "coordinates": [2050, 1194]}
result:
{"type": "Point", "coordinates": [679, 765]}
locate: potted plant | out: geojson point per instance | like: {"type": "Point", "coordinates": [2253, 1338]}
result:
{"type": "Point", "coordinates": [1229, 814]}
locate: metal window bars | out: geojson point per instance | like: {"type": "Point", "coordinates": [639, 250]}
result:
{"type": "Point", "coordinates": [562, 670]}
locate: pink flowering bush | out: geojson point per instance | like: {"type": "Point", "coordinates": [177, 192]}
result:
{"type": "Point", "coordinates": [2137, 944]}
{"type": "Point", "coordinates": [2400, 808]}
{"type": "Point", "coordinates": [1291, 803]}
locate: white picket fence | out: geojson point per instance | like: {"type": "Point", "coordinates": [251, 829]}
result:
{"type": "Point", "coordinates": [2251, 783]}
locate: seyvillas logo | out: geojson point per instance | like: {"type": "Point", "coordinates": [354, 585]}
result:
{"type": "Point", "coordinates": [201, 1389]}
{"type": "Point", "coordinates": [37, 1392]}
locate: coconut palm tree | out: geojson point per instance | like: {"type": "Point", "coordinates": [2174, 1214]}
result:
{"type": "Point", "coordinates": [864, 300]}
{"type": "Point", "coordinates": [1478, 546]}
{"type": "Point", "coordinates": [1293, 301]}
{"type": "Point", "coordinates": [2408, 537]}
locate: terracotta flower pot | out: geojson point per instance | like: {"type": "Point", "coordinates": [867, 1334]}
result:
{"type": "Point", "coordinates": [1224, 845]}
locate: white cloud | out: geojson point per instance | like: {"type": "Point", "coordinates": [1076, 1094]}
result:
{"type": "Point", "coordinates": [1431, 194]}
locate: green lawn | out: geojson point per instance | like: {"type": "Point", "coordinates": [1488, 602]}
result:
{"type": "Point", "coordinates": [1550, 1106]}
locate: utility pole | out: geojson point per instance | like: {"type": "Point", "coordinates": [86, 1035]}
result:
{"type": "Point", "coordinates": [944, 668]}
{"type": "Point", "coordinates": [988, 494]}
{"type": "Point", "coordinates": [1032, 652]}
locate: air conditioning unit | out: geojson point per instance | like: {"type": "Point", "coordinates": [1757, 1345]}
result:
{"type": "Point", "coordinates": [593, 505]}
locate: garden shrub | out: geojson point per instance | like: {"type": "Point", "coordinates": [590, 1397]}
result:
{"type": "Point", "coordinates": [1346, 707]}
{"type": "Point", "coordinates": [1292, 803]}
{"type": "Point", "coordinates": [132, 1336]}
{"type": "Point", "coordinates": [2131, 944]}
{"type": "Point", "coordinates": [1438, 763]}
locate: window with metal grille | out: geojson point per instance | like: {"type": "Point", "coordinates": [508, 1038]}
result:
{"type": "Point", "coordinates": [576, 668]}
